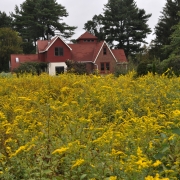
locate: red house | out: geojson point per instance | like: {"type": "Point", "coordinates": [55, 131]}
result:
{"type": "Point", "coordinates": [97, 55]}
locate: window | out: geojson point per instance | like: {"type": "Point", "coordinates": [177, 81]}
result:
{"type": "Point", "coordinates": [59, 51]}
{"type": "Point", "coordinates": [104, 51]}
{"type": "Point", "coordinates": [59, 69]}
{"type": "Point", "coordinates": [17, 60]}
{"type": "Point", "coordinates": [105, 66]}
{"type": "Point", "coordinates": [102, 67]}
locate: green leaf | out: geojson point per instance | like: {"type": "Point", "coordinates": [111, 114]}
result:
{"type": "Point", "coordinates": [166, 148]}
{"type": "Point", "coordinates": [176, 131]}
{"type": "Point", "coordinates": [163, 135]}
{"type": "Point", "coordinates": [83, 176]}
{"type": "Point", "coordinates": [158, 155]}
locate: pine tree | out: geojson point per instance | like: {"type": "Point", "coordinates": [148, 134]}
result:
{"type": "Point", "coordinates": [163, 30]}
{"type": "Point", "coordinates": [96, 27]}
{"type": "Point", "coordinates": [5, 20]}
{"type": "Point", "coordinates": [36, 19]}
{"type": "Point", "coordinates": [124, 25]}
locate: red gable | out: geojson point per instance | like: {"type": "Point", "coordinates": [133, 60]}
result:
{"type": "Point", "coordinates": [43, 45]}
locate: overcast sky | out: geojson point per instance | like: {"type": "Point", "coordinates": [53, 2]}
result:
{"type": "Point", "coordinates": [80, 11]}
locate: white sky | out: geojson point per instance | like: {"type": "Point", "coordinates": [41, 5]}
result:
{"type": "Point", "coordinates": [80, 11]}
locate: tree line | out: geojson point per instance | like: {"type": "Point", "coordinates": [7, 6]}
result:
{"type": "Point", "coordinates": [122, 24]}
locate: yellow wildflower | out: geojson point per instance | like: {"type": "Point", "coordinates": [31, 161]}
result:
{"type": "Point", "coordinates": [143, 163]}
{"type": "Point", "coordinates": [21, 148]}
{"type": "Point", "coordinates": [157, 163]}
{"type": "Point", "coordinates": [176, 113]}
{"type": "Point", "coordinates": [113, 178]}
{"type": "Point", "coordinates": [60, 151]}
{"type": "Point", "coordinates": [155, 178]}
{"type": "Point", "coordinates": [78, 163]}
{"type": "Point", "coordinates": [139, 151]}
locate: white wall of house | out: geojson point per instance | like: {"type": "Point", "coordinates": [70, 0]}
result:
{"type": "Point", "coordinates": [54, 67]}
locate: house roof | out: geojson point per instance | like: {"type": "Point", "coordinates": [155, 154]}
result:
{"type": "Point", "coordinates": [87, 35]}
{"type": "Point", "coordinates": [46, 44]}
{"type": "Point", "coordinates": [16, 59]}
{"type": "Point", "coordinates": [25, 57]}
{"type": "Point", "coordinates": [82, 52]}
{"type": "Point", "coordinates": [90, 52]}
{"type": "Point", "coordinates": [120, 55]}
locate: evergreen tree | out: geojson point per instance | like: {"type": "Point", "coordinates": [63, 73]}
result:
{"type": "Point", "coordinates": [96, 27]}
{"type": "Point", "coordinates": [5, 20]}
{"type": "Point", "coordinates": [173, 48]}
{"type": "Point", "coordinates": [36, 19]}
{"type": "Point", "coordinates": [163, 29]}
{"type": "Point", "coordinates": [124, 25]}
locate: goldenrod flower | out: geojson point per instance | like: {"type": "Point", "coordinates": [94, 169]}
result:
{"type": "Point", "coordinates": [78, 162]}
{"type": "Point", "coordinates": [60, 151]}
{"type": "Point", "coordinates": [155, 178]}
{"type": "Point", "coordinates": [113, 178]}
{"type": "Point", "coordinates": [157, 163]}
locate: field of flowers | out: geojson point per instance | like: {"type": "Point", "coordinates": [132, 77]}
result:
{"type": "Point", "coordinates": [71, 127]}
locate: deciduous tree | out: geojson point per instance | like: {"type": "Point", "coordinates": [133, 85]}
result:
{"type": "Point", "coordinates": [10, 43]}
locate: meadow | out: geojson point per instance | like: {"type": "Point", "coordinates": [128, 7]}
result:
{"type": "Point", "coordinates": [71, 127]}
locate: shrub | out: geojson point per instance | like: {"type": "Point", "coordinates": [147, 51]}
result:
{"type": "Point", "coordinates": [31, 67]}
{"type": "Point", "coordinates": [76, 67]}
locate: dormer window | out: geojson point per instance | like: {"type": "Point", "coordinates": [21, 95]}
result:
{"type": "Point", "coordinates": [104, 50]}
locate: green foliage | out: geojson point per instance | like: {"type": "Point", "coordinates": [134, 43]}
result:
{"type": "Point", "coordinates": [36, 19]}
{"type": "Point", "coordinates": [76, 67]}
{"type": "Point", "coordinates": [122, 25]}
{"type": "Point", "coordinates": [163, 29]}
{"type": "Point", "coordinates": [174, 64]}
{"type": "Point", "coordinates": [96, 27]}
{"type": "Point", "coordinates": [142, 68]}
{"type": "Point", "coordinates": [31, 67]}
{"type": "Point", "coordinates": [5, 20]}
{"type": "Point", "coordinates": [125, 69]}
{"type": "Point", "coordinates": [173, 61]}
{"type": "Point", "coordinates": [28, 48]}
{"type": "Point", "coordinates": [49, 13]}
{"type": "Point", "coordinates": [10, 43]}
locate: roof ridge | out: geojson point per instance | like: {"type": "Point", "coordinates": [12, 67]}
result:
{"type": "Point", "coordinates": [87, 35]}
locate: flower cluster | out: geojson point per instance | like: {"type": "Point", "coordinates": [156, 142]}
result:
{"type": "Point", "coordinates": [90, 127]}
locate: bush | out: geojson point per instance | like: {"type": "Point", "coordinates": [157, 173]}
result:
{"type": "Point", "coordinates": [76, 67]}
{"type": "Point", "coordinates": [31, 67]}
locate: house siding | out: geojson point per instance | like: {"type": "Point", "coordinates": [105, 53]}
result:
{"type": "Point", "coordinates": [108, 58]}
{"type": "Point", "coordinates": [52, 67]}
{"type": "Point", "coordinates": [22, 58]}
{"type": "Point", "coordinates": [51, 54]}
{"type": "Point", "coordinates": [89, 67]}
